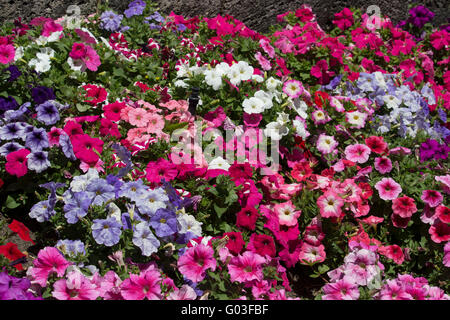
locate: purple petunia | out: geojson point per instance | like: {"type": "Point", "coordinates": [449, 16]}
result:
{"type": "Point", "coordinates": [100, 191]}
{"type": "Point", "coordinates": [37, 139]}
{"type": "Point", "coordinates": [47, 113]}
{"type": "Point", "coordinates": [14, 73]}
{"type": "Point", "coordinates": [8, 103]}
{"type": "Point", "coordinates": [12, 288]}
{"type": "Point", "coordinates": [419, 16]}
{"type": "Point", "coordinates": [9, 147]}
{"type": "Point", "coordinates": [106, 231]}
{"type": "Point", "coordinates": [135, 8]}
{"type": "Point", "coordinates": [38, 161]}
{"type": "Point", "coordinates": [145, 239]}
{"type": "Point", "coordinates": [71, 247]}
{"type": "Point", "coordinates": [41, 211]}
{"type": "Point", "coordinates": [431, 149]}
{"type": "Point", "coordinates": [40, 94]}
{"type": "Point", "coordinates": [77, 207]}
{"type": "Point", "coordinates": [66, 146]}
{"type": "Point", "coordinates": [164, 222]}
{"type": "Point", "coordinates": [133, 190]}
{"type": "Point", "coordinates": [110, 21]}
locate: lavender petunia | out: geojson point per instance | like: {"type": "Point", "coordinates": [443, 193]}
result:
{"type": "Point", "coordinates": [47, 113]}
{"type": "Point", "coordinates": [106, 231]}
{"type": "Point", "coordinates": [38, 161]}
{"type": "Point", "coordinates": [164, 222]}
{"type": "Point", "coordinates": [37, 139]}
{"type": "Point", "coordinates": [145, 239]}
{"type": "Point", "coordinates": [100, 191]}
{"type": "Point", "coordinates": [9, 147]}
{"type": "Point", "coordinates": [77, 207]}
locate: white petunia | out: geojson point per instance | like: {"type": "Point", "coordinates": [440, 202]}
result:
{"type": "Point", "coordinates": [213, 78]}
{"type": "Point", "coordinates": [188, 223]}
{"type": "Point", "coordinates": [218, 163]}
{"type": "Point", "coordinates": [253, 105]}
{"type": "Point", "coordinates": [272, 83]}
{"type": "Point", "coordinates": [391, 101]}
{"type": "Point", "coordinates": [265, 97]}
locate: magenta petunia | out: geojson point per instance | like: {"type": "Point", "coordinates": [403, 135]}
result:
{"type": "Point", "coordinates": [49, 260]}
{"type": "Point", "coordinates": [246, 267]}
{"type": "Point", "coordinates": [145, 285]}
{"type": "Point", "coordinates": [388, 189]}
{"type": "Point", "coordinates": [195, 261]}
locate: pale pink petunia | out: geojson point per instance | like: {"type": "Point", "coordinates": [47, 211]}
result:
{"type": "Point", "coordinates": [75, 287]}
{"type": "Point", "coordinates": [138, 117]}
{"type": "Point", "coordinates": [49, 260]}
{"type": "Point", "coordinates": [184, 293]}
{"type": "Point", "coordinates": [145, 285]}
{"type": "Point", "coordinates": [446, 260]}
{"type": "Point", "coordinates": [110, 286]}
{"type": "Point", "coordinates": [388, 189]}
{"type": "Point", "coordinates": [195, 261]}
{"type": "Point", "coordinates": [445, 181]}
{"type": "Point", "coordinates": [265, 64]}
{"type": "Point", "coordinates": [246, 267]}
{"type": "Point", "coordinates": [155, 123]}
{"type": "Point", "coordinates": [357, 153]}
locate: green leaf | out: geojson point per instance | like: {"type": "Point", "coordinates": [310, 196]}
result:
{"type": "Point", "coordinates": [220, 211]}
{"type": "Point", "coordinates": [11, 203]}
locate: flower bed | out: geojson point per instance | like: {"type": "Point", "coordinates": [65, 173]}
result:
{"type": "Point", "coordinates": [161, 157]}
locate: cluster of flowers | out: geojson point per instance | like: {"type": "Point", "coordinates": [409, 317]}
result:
{"type": "Point", "coordinates": [357, 118]}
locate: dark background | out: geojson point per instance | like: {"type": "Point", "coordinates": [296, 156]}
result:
{"type": "Point", "coordinates": [257, 14]}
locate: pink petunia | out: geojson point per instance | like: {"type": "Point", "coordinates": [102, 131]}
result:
{"type": "Point", "coordinates": [439, 231]}
{"type": "Point", "coordinates": [184, 293]}
{"type": "Point", "coordinates": [53, 136]}
{"type": "Point", "coordinates": [287, 213]}
{"type": "Point", "coordinates": [388, 189]}
{"type": "Point", "coordinates": [311, 254]}
{"type": "Point", "coordinates": [330, 205]}
{"type": "Point", "coordinates": [357, 153]}
{"type": "Point", "coordinates": [432, 198]}
{"type": "Point", "coordinates": [145, 285]}
{"type": "Point", "coordinates": [16, 162]}
{"type": "Point", "coordinates": [155, 123]}
{"type": "Point", "coordinates": [404, 206]}
{"type": "Point", "coordinates": [340, 290]}
{"type": "Point", "coordinates": [75, 287]}
{"type": "Point", "coordinates": [383, 165]}
{"type": "Point", "coordinates": [7, 53]}
{"type": "Point", "coordinates": [91, 59]}
{"type": "Point", "coordinates": [265, 64]}
{"type": "Point", "coordinates": [246, 267]}
{"type": "Point", "coordinates": [446, 260]}
{"type": "Point", "coordinates": [138, 117]}
{"type": "Point", "coordinates": [110, 286]}
{"type": "Point", "coordinates": [195, 261]}
{"type": "Point", "coordinates": [162, 169]}
{"type": "Point", "coordinates": [344, 19]}
{"type": "Point", "coordinates": [393, 252]}
{"type": "Point", "coordinates": [443, 213]}
{"type": "Point", "coordinates": [49, 260]}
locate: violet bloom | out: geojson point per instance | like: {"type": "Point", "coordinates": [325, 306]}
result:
{"type": "Point", "coordinates": [135, 8]}
{"type": "Point", "coordinates": [106, 231]}
{"type": "Point", "coordinates": [71, 247]}
{"type": "Point", "coordinates": [110, 21]}
{"type": "Point", "coordinates": [47, 113]}
{"type": "Point", "coordinates": [41, 211]}
{"type": "Point", "coordinates": [38, 161]}
{"type": "Point", "coordinates": [77, 207]}
{"type": "Point", "coordinates": [428, 149]}
{"type": "Point", "coordinates": [40, 94]}
{"type": "Point", "coordinates": [100, 191]}
{"type": "Point", "coordinates": [420, 15]}
{"type": "Point", "coordinates": [11, 115]}
{"type": "Point", "coordinates": [37, 139]}
{"type": "Point", "coordinates": [9, 147]}
{"type": "Point", "coordinates": [144, 239]}
{"type": "Point", "coordinates": [8, 103]}
{"type": "Point", "coordinates": [12, 288]}
{"type": "Point", "coordinates": [66, 146]}
{"type": "Point", "coordinates": [14, 73]}
{"type": "Point", "coordinates": [164, 222]}
{"type": "Point", "coordinates": [133, 190]}
{"type": "Point", "coordinates": [11, 131]}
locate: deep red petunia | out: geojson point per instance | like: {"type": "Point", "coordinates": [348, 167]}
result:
{"type": "Point", "coordinates": [22, 231]}
{"type": "Point", "coordinates": [12, 253]}
{"type": "Point", "coordinates": [247, 218]}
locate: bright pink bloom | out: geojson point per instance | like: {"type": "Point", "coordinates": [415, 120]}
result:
{"type": "Point", "coordinates": [404, 207]}
{"type": "Point", "coordinates": [50, 27]}
{"type": "Point", "coordinates": [388, 189]}
{"type": "Point", "coordinates": [344, 19]}
{"type": "Point", "coordinates": [145, 285]}
{"type": "Point", "coordinates": [110, 286]}
{"type": "Point", "coordinates": [246, 267]}
{"type": "Point", "coordinates": [161, 169]}
{"type": "Point", "coordinates": [49, 260]}
{"type": "Point", "coordinates": [432, 198]}
{"type": "Point", "coordinates": [340, 290]}
{"type": "Point", "coordinates": [16, 162]}
{"type": "Point", "coordinates": [262, 244]}
{"type": "Point", "coordinates": [383, 165]}
{"type": "Point", "coordinates": [53, 136]}
{"type": "Point", "coordinates": [195, 261]}
{"type": "Point", "coordinates": [112, 110]}
{"type": "Point", "coordinates": [320, 71]}
{"type": "Point", "coordinates": [75, 287]}
{"type": "Point", "coordinates": [91, 59]}
{"type": "Point", "coordinates": [7, 53]}
{"type": "Point", "coordinates": [78, 51]}
{"type": "Point", "coordinates": [330, 205]}
{"type": "Point", "coordinates": [265, 64]}
{"type": "Point", "coordinates": [98, 95]}
{"type": "Point", "coordinates": [357, 153]}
